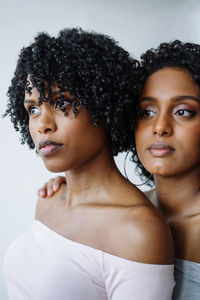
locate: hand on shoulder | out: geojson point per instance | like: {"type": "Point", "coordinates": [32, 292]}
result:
{"type": "Point", "coordinates": [51, 187]}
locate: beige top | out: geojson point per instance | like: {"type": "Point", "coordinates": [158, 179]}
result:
{"type": "Point", "coordinates": [43, 265]}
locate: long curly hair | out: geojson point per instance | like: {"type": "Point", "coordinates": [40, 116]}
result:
{"type": "Point", "coordinates": [98, 74]}
{"type": "Point", "coordinates": [175, 54]}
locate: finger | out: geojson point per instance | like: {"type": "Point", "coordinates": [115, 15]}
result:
{"type": "Point", "coordinates": [57, 182]}
{"type": "Point", "coordinates": [42, 192]}
{"type": "Point", "coordinates": [50, 190]}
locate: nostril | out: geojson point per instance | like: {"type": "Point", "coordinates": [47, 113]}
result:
{"type": "Point", "coordinates": [161, 132]}
{"type": "Point", "coordinates": [47, 130]}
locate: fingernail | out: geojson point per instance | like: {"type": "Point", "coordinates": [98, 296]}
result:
{"type": "Point", "coordinates": [42, 193]}
{"type": "Point", "coordinates": [49, 192]}
{"type": "Point", "coordinates": [55, 186]}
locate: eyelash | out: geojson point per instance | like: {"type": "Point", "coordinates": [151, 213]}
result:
{"type": "Point", "coordinates": [191, 112]}
{"type": "Point", "coordinates": [144, 112]}
{"type": "Point", "coordinates": [30, 108]}
{"type": "Point", "coordinates": [60, 103]}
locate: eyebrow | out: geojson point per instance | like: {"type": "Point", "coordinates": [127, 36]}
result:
{"type": "Point", "coordinates": [29, 101]}
{"type": "Point", "coordinates": [177, 98]}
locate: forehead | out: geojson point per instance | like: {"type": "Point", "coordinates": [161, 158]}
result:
{"type": "Point", "coordinates": [29, 84]}
{"type": "Point", "coordinates": [34, 93]}
{"type": "Point", "coordinates": [174, 80]}
{"type": "Point", "coordinates": [55, 90]}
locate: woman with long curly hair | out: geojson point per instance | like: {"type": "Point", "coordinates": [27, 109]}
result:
{"type": "Point", "coordinates": [72, 99]}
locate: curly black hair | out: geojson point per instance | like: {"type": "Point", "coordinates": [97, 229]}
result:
{"type": "Point", "coordinates": [175, 54]}
{"type": "Point", "coordinates": [92, 68]}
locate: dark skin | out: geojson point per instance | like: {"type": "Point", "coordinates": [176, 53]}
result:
{"type": "Point", "coordinates": [98, 207]}
{"type": "Point", "coordinates": [170, 103]}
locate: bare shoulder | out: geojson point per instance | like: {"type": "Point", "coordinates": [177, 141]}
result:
{"type": "Point", "coordinates": [44, 205]}
{"type": "Point", "coordinates": [144, 236]}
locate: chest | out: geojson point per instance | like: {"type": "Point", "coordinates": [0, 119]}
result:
{"type": "Point", "coordinates": [92, 226]}
{"type": "Point", "coordinates": [186, 236]}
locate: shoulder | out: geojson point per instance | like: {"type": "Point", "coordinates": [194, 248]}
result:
{"type": "Point", "coordinates": [45, 205]}
{"type": "Point", "coordinates": [144, 237]}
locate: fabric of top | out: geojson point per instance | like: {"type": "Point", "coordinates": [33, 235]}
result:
{"type": "Point", "coordinates": [43, 265]}
{"type": "Point", "coordinates": [187, 276]}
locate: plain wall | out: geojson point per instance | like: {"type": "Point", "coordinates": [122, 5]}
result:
{"type": "Point", "coordinates": [136, 24]}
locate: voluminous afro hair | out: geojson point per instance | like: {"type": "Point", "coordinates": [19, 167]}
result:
{"type": "Point", "coordinates": [175, 54]}
{"type": "Point", "coordinates": [92, 68]}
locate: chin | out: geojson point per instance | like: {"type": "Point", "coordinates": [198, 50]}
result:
{"type": "Point", "coordinates": [163, 174]}
{"type": "Point", "coordinates": [54, 168]}
{"type": "Point", "coordinates": [161, 170]}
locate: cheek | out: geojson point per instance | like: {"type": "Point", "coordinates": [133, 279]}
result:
{"type": "Point", "coordinates": [189, 136]}
{"type": "Point", "coordinates": [192, 145]}
{"type": "Point", "coordinates": [32, 132]}
{"type": "Point", "coordinates": [141, 135]}
{"type": "Point", "coordinates": [83, 136]}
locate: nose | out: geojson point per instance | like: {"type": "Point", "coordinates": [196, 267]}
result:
{"type": "Point", "coordinates": [47, 123]}
{"type": "Point", "coordinates": [163, 126]}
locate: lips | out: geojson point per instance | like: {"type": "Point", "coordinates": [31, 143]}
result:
{"type": "Point", "coordinates": [48, 147]}
{"type": "Point", "coordinates": [160, 149]}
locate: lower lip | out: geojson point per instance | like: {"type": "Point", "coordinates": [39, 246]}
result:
{"type": "Point", "coordinates": [160, 152]}
{"type": "Point", "coordinates": [50, 149]}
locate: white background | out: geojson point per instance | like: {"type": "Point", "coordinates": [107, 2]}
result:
{"type": "Point", "coordinates": [136, 24]}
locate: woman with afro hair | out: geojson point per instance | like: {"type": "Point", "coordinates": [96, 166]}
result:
{"type": "Point", "coordinates": [167, 151]}
{"type": "Point", "coordinates": [73, 99]}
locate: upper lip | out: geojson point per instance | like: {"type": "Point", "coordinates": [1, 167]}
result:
{"type": "Point", "coordinates": [160, 146]}
{"type": "Point", "coordinates": [47, 143]}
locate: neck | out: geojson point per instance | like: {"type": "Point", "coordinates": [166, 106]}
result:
{"type": "Point", "coordinates": [176, 194]}
{"type": "Point", "coordinates": [91, 181]}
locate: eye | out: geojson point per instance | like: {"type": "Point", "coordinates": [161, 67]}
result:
{"type": "Point", "coordinates": [185, 113]}
{"type": "Point", "coordinates": [147, 113]}
{"type": "Point", "coordinates": [33, 110]}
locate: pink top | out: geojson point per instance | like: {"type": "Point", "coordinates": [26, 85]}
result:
{"type": "Point", "coordinates": [43, 265]}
